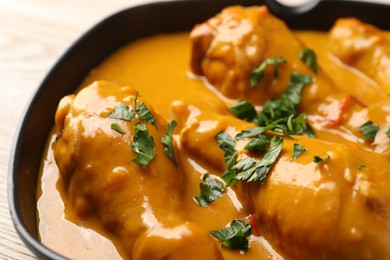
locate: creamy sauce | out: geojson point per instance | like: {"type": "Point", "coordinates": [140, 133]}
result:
{"type": "Point", "coordinates": [159, 68]}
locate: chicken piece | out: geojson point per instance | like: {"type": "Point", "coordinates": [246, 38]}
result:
{"type": "Point", "coordinates": [364, 47]}
{"type": "Point", "coordinates": [104, 187]}
{"type": "Point", "coordinates": [227, 47]}
{"type": "Point", "coordinates": [339, 209]}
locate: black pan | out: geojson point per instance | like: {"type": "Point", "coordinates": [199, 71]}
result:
{"type": "Point", "coordinates": [102, 40]}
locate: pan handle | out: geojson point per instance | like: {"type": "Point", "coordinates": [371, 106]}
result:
{"type": "Point", "coordinates": [282, 9]}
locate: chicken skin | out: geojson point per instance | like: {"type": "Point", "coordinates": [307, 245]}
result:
{"type": "Point", "coordinates": [227, 48]}
{"type": "Point", "coordinates": [337, 209]}
{"type": "Point", "coordinates": [364, 47]}
{"type": "Point", "coordinates": [106, 187]}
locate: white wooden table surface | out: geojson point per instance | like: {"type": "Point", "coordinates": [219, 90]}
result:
{"type": "Point", "coordinates": [33, 34]}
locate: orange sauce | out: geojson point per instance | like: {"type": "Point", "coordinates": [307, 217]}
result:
{"type": "Point", "coordinates": [158, 67]}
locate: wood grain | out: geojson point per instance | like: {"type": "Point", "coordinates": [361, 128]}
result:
{"type": "Point", "coordinates": [33, 34]}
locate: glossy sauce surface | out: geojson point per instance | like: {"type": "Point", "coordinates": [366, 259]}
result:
{"type": "Point", "coordinates": [158, 67]}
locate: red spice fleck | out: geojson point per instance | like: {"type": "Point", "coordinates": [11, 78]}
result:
{"type": "Point", "coordinates": [344, 105]}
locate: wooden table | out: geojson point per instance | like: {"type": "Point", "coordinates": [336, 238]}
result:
{"type": "Point", "coordinates": [33, 34]}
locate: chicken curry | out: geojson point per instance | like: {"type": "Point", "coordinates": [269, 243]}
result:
{"type": "Point", "coordinates": [241, 140]}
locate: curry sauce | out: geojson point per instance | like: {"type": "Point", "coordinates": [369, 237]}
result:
{"type": "Point", "coordinates": [103, 205]}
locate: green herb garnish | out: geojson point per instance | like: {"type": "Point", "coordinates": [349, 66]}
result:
{"type": "Point", "coordinates": [167, 141]}
{"type": "Point", "coordinates": [388, 132]}
{"type": "Point", "coordinates": [122, 111]}
{"type": "Point", "coordinates": [143, 145]}
{"type": "Point", "coordinates": [259, 171]}
{"type": "Point", "coordinates": [117, 128]}
{"type": "Point", "coordinates": [280, 110]}
{"type": "Point", "coordinates": [135, 99]}
{"type": "Point", "coordinates": [258, 74]}
{"type": "Point", "coordinates": [235, 236]}
{"type": "Point", "coordinates": [244, 110]}
{"type": "Point", "coordinates": [258, 144]}
{"type": "Point", "coordinates": [309, 57]}
{"type": "Point", "coordinates": [249, 169]}
{"type": "Point", "coordinates": [318, 159]}
{"type": "Point", "coordinates": [369, 130]}
{"type": "Point", "coordinates": [298, 126]}
{"type": "Point", "coordinates": [298, 150]}
{"type": "Point", "coordinates": [280, 114]}
{"type": "Point", "coordinates": [210, 191]}
{"type": "Point", "coordinates": [252, 132]}
{"type": "Point", "coordinates": [227, 144]}
{"type": "Point", "coordinates": [361, 166]}
{"type": "Point", "coordinates": [145, 114]}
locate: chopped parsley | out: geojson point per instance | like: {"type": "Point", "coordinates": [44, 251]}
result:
{"type": "Point", "coordinates": [235, 236]}
{"type": "Point", "coordinates": [243, 110]}
{"type": "Point", "coordinates": [167, 141]}
{"type": "Point", "coordinates": [143, 145]}
{"type": "Point", "coordinates": [258, 144]}
{"type": "Point", "coordinates": [280, 110]}
{"type": "Point", "coordinates": [257, 74]}
{"type": "Point", "coordinates": [360, 166]}
{"type": "Point", "coordinates": [252, 170]}
{"type": "Point", "coordinates": [280, 114]}
{"type": "Point", "coordinates": [259, 171]}
{"type": "Point", "coordinates": [227, 144]}
{"type": "Point", "coordinates": [298, 150]}
{"type": "Point", "coordinates": [299, 125]}
{"type": "Point", "coordinates": [369, 130]}
{"type": "Point", "coordinates": [210, 191]}
{"type": "Point", "coordinates": [145, 114]}
{"type": "Point", "coordinates": [117, 128]}
{"type": "Point", "coordinates": [318, 159]}
{"type": "Point", "coordinates": [122, 112]}
{"type": "Point", "coordinates": [388, 132]}
{"type": "Point", "coordinates": [309, 57]}
{"type": "Point", "coordinates": [253, 132]}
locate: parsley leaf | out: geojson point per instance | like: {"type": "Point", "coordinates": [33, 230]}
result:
{"type": "Point", "coordinates": [135, 99]}
{"type": "Point", "coordinates": [309, 57]}
{"type": "Point", "coordinates": [209, 191]}
{"type": "Point", "coordinates": [369, 130]}
{"type": "Point", "coordinates": [309, 131]}
{"type": "Point", "coordinates": [280, 114]}
{"type": "Point", "coordinates": [123, 112]}
{"type": "Point", "coordinates": [144, 114]}
{"type": "Point", "coordinates": [167, 141]}
{"type": "Point", "coordinates": [229, 176]}
{"type": "Point", "coordinates": [280, 110]}
{"type": "Point", "coordinates": [258, 74]}
{"type": "Point", "coordinates": [143, 145]}
{"type": "Point", "coordinates": [256, 131]}
{"type": "Point", "coordinates": [117, 128]}
{"type": "Point", "coordinates": [235, 236]}
{"type": "Point", "coordinates": [318, 159]}
{"type": "Point", "coordinates": [388, 132]}
{"type": "Point", "coordinates": [259, 170]}
{"type": "Point", "coordinates": [299, 126]}
{"type": "Point", "coordinates": [227, 144]}
{"type": "Point", "coordinates": [243, 110]}
{"type": "Point", "coordinates": [360, 166]}
{"type": "Point", "coordinates": [257, 144]}
{"type": "Point", "coordinates": [298, 150]}
{"type": "Point", "coordinates": [249, 169]}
